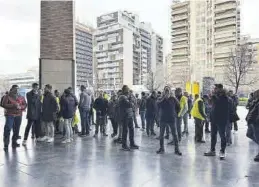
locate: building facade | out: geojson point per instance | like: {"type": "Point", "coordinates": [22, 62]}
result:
{"type": "Point", "coordinates": [84, 54]}
{"type": "Point", "coordinates": [123, 50]}
{"type": "Point", "coordinates": [203, 34]}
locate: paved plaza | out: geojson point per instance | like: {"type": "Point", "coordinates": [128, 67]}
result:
{"type": "Point", "coordinates": [99, 162]}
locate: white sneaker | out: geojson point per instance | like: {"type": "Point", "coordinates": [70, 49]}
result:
{"type": "Point", "coordinates": [50, 140]}
{"type": "Point", "coordinates": [69, 141]}
{"type": "Point", "coordinates": [24, 143]}
{"type": "Point", "coordinates": [222, 155]}
{"type": "Point", "coordinates": [64, 141]}
{"type": "Point", "coordinates": [42, 139]}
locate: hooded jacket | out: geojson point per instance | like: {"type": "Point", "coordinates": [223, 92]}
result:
{"type": "Point", "coordinates": [68, 106]}
{"type": "Point", "coordinates": [34, 105]}
{"type": "Point", "coordinates": [49, 108]}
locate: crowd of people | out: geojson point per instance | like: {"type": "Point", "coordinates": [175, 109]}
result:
{"type": "Point", "coordinates": [51, 113]}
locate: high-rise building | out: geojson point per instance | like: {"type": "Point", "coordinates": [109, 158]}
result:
{"type": "Point", "coordinates": [203, 34]}
{"type": "Point", "coordinates": [123, 50]}
{"type": "Point", "coordinates": [84, 54]}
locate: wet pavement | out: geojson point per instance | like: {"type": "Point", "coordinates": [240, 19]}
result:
{"type": "Point", "coordinates": [99, 162]}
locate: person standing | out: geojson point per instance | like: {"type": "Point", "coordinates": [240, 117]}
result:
{"type": "Point", "coordinates": [112, 114]}
{"type": "Point", "coordinates": [133, 100]}
{"type": "Point", "coordinates": [84, 109]}
{"type": "Point", "coordinates": [235, 104]}
{"type": "Point", "coordinates": [68, 106]}
{"type": "Point", "coordinates": [253, 120]}
{"type": "Point", "coordinates": [170, 107]}
{"type": "Point", "coordinates": [198, 113]}
{"type": "Point", "coordinates": [126, 112]}
{"type": "Point", "coordinates": [183, 110]}
{"type": "Point", "coordinates": [14, 105]}
{"type": "Point", "coordinates": [33, 113]}
{"type": "Point", "coordinates": [101, 107]}
{"type": "Point", "coordinates": [190, 103]}
{"type": "Point", "coordinates": [142, 110]}
{"type": "Point", "coordinates": [151, 113]}
{"type": "Point", "coordinates": [220, 115]}
{"type": "Point", "coordinates": [207, 104]}
{"type": "Point", "coordinates": [118, 118]}
{"type": "Point", "coordinates": [50, 110]}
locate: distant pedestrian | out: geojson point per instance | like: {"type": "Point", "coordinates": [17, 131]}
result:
{"type": "Point", "coordinates": [142, 110]}
{"type": "Point", "coordinates": [151, 113]}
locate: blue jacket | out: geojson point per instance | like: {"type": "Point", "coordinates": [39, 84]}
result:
{"type": "Point", "coordinates": [68, 106]}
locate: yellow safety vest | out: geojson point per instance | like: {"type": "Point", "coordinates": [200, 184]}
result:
{"type": "Point", "coordinates": [58, 102]}
{"type": "Point", "coordinates": [41, 98]}
{"type": "Point", "coordinates": [195, 110]}
{"type": "Point", "coordinates": [183, 105]}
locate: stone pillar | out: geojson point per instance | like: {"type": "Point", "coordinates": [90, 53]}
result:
{"type": "Point", "coordinates": [57, 44]}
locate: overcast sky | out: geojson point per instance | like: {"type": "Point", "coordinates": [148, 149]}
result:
{"type": "Point", "coordinates": [19, 23]}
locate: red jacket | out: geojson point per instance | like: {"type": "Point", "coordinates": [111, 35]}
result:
{"type": "Point", "coordinates": [14, 107]}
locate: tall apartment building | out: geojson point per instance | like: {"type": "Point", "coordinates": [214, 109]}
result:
{"type": "Point", "coordinates": [123, 50]}
{"type": "Point", "coordinates": [84, 54]}
{"type": "Point", "coordinates": [203, 34]}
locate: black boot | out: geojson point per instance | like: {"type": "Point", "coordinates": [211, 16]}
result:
{"type": "Point", "coordinates": [256, 159]}
{"type": "Point", "coordinates": [161, 151]}
{"type": "Point", "coordinates": [15, 145]}
{"type": "Point", "coordinates": [178, 152]}
{"type": "Point", "coordinates": [125, 148]}
{"type": "Point", "coordinates": [134, 146]}
{"type": "Point", "coordinates": [167, 136]}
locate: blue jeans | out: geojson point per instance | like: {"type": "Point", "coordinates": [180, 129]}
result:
{"type": "Point", "coordinates": [12, 122]}
{"type": "Point", "coordinates": [84, 113]}
{"type": "Point", "coordinates": [143, 118]}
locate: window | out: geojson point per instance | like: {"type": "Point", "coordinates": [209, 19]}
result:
{"type": "Point", "coordinates": [100, 47]}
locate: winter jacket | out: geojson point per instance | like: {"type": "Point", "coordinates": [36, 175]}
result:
{"type": "Point", "coordinates": [14, 105]}
{"type": "Point", "coordinates": [169, 109]}
{"type": "Point", "coordinates": [101, 106]}
{"type": "Point", "coordinates": [151, 106]}
{"type": "Point", "coordinates": [49, 108]}
{"type": "Point", "coordinates": [253, 113]}
{"type": "Point", "coordinates": [126, 107]}
{"type": "Point", "coordinates": [221, 108]}
{"type": "Point", "coordinates": [68, 106]}
{"type": "Point", "coordinates": [112, 109]}
{"type": "Point", "coordinates": [34, 106]}
{"type": "Point", "coordinates": [85, 101]}
{"type": "Point", "coordinates": [142, 104]}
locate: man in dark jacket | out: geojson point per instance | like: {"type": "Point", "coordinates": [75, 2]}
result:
{"type": "Point", "coordinates": [126, 112]}
{"type": "Point", "coordinates": [73, 95]}
{"type": "Point", "coordinates": [170, 107]}
{"type": "Point", "coordinates": [33, 113]}
{"type": "Point", "coordinates": [142, 110]}
{"type": "Point", "coordinates": [101, 108]}
{"type": "Point", "coordinates": [112, 115]}
{"type": "Point", "coordinates": [49, 112]}
{"type": "Point", "coordinates": [134, 102]}
{"type": "Point", "coordinates": [151, 107]}
{"type": "Point", "coordinates": [118, 118]}
{"type": "Point", "coordinates": [220, 115]}
{"type": "Point", "coordinates": [68, 106]}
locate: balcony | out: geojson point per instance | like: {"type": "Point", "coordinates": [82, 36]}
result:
{"type": "Point", "coordinates": [179, 39]}
{"type": "Point", "coordinates": [179, 5]}
{"type": "Point", "coordinates": [179, 25]}
{"type": "Point", "coordinates": [179, 32]}
{"type": "Point", "coordinates": [182, 60]}
{"type": "Point", "coordinates": [179, 18]}
{"type": "Point", "coordinates": [225, 15]}
{"type": "Point", "coordinates": [179, 11]}
{"type": "Point", "coordinates": [218, 2]}
{"type": "Point", "coordinates": [180, 46]}
{"type": "Point", "coordinates": [224, 8]}
{"type": "Point", "coordinates": [179, 52]}
{"type": "Point", "coordinates": [225, 39]}
{"type": "Point", "coordinates": [222, 55]}
{"type": "Point", "coordinates": [224, 24]}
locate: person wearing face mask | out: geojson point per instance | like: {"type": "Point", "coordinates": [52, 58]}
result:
{"type": "Point", "coordinates": [169, 107]}
{"type": "Point", "coordinates": [33, 113]}
{"type": "Point", "coordinates": [14, 105]}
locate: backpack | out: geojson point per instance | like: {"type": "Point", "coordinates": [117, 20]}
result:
{"type": "Point", "coordinates": [2, 101]}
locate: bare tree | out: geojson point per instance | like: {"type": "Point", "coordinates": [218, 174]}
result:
{"type": "Point", "coordinates": [239, 67]}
